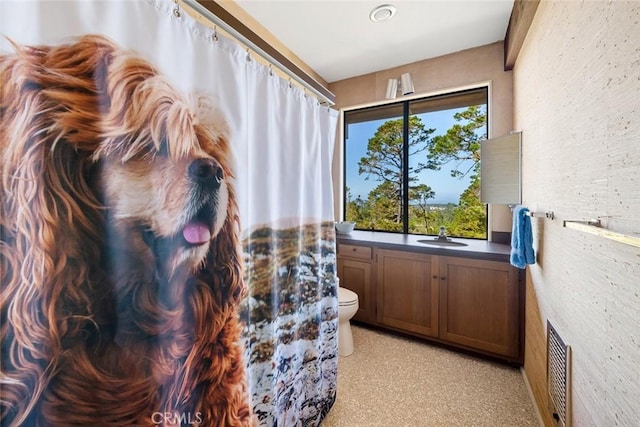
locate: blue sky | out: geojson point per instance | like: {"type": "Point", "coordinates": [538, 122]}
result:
{"type": "Point", "coordinates": [447, 189]}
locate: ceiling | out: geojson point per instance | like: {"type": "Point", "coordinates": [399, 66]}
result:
{"type": "Point", "coordinates": [337, 40]}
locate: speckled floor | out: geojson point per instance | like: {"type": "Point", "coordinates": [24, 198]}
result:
{"type": "Point", "coordinates": [394, 381]}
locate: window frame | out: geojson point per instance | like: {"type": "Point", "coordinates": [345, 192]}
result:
{"type": "Point", "coordinates": [405, 103]}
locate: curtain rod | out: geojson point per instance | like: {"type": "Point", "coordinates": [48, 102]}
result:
{"type": "Point", "coordinates": [215, 13]}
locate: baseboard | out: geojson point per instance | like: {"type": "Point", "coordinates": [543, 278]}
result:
{"type": "Point", "coordinates": [531, 397]}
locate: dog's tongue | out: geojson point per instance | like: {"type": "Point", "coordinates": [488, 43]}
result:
{"type": "Point", "coordinates": [196, 233]}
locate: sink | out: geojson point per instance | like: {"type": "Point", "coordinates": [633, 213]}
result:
{"type": "Point", "coordinates": [436, 242]}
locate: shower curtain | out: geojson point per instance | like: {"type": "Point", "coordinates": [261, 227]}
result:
{"type": "Point", "coordinates": [280, 142]}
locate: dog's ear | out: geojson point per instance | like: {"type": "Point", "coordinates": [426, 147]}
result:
{"type": "Point", "coordinates": [51, 223]}
{"type": "Point", "coordinates": [50, 127]}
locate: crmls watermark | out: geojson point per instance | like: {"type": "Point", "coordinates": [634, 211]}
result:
{"type": "Point", "coordinates": [177, 418]}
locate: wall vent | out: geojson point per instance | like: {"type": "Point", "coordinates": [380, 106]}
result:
{"type": "Point", "coordinates": [558, 376]}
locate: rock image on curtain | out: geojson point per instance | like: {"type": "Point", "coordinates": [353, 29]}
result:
{"type": "Point", "coordinates": [167, 250]}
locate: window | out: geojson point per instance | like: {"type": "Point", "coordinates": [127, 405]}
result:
{"type": "Point", "coordinates": [413, 166]}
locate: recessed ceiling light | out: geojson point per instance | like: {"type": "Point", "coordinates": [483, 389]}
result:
{"type": "Point", "coordinates": [382, 13]}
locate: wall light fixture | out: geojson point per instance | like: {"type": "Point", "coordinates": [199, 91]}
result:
{"type": "Point", "coordinates": [405, 85]}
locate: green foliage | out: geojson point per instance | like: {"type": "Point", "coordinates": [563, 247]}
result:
{"type": "Point", "coordinates": [460, 143]}
{"type": "Point", "coordinates": [384, 151]}
{"type": "Point", "coordinates": [383, 162]}
{"type": "Point", "coordinates": [469, 217]}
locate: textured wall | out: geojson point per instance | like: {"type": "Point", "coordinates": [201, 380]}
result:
{"type": "Point", "coordinates": [577, 101]}
{"type": "Point", "coordinates": [467, 67]}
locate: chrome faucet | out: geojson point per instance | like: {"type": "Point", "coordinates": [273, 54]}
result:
{"type": "Point", "coordinates": [442, 235]}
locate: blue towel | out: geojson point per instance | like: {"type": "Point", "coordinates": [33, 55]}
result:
{"type": "Point", "coordinates": [521, 239]}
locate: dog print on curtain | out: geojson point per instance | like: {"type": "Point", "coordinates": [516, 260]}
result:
{"type": "Point", "coordinates": [120, 264]}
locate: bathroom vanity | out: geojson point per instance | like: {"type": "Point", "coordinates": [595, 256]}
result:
{"type": "Point", "coordinates": [468, 297]}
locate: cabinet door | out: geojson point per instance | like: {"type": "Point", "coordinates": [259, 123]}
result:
{"type": "Point", "coordinates": [356, 276]}
{"type": "Point", "coordinates": [407, 291]}
{"type": "Point", "coordinates": [479, 305]}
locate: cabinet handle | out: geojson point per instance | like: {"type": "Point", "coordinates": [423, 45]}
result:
{"type": "Point", "coordinates": [443, 278]}
{"type": "Point", "coordinates": [435, 277]}
{"type": "Point", "coordinates": [354, 249]}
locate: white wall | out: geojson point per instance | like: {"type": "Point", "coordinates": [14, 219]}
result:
{"type": "Point", "coordinates": [577, 101]}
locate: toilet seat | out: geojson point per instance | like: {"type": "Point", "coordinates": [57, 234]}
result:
{"type": "Point", "coordinates": [347, 304]}
{"type": "Point", "coordinates": [346, 297]}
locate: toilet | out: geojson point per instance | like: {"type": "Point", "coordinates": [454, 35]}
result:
{"type": "Point", "coordinates": [347, 308]}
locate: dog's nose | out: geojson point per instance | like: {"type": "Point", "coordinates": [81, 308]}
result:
{"type": "Point", "coordinates": [206, 172]}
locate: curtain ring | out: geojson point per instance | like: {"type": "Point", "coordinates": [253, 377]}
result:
{"type": "Point", "coordinates": [176, 11]}
{"type": "Point", "coordinates": [215, 33]}
{"type": "Point", "coordinates": [271, 69]}
{"type": "Point", "coordinates": [248, 56]}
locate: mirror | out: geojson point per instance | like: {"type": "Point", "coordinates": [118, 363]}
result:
{"type": "Point", "coordinates": [500, 169]}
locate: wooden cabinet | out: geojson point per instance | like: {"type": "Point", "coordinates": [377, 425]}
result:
{"type": "Point", "coordinates": [355, 271]}
{"type": "Point", "coordinates": [480, 305]}
{"type": "Point", "coordinates": [407, 290]}
{"type": "Point", "coordinates": [468, 303]}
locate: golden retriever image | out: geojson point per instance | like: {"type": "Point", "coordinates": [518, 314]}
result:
{"type": "Point", "coordinates": [120, 264]}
